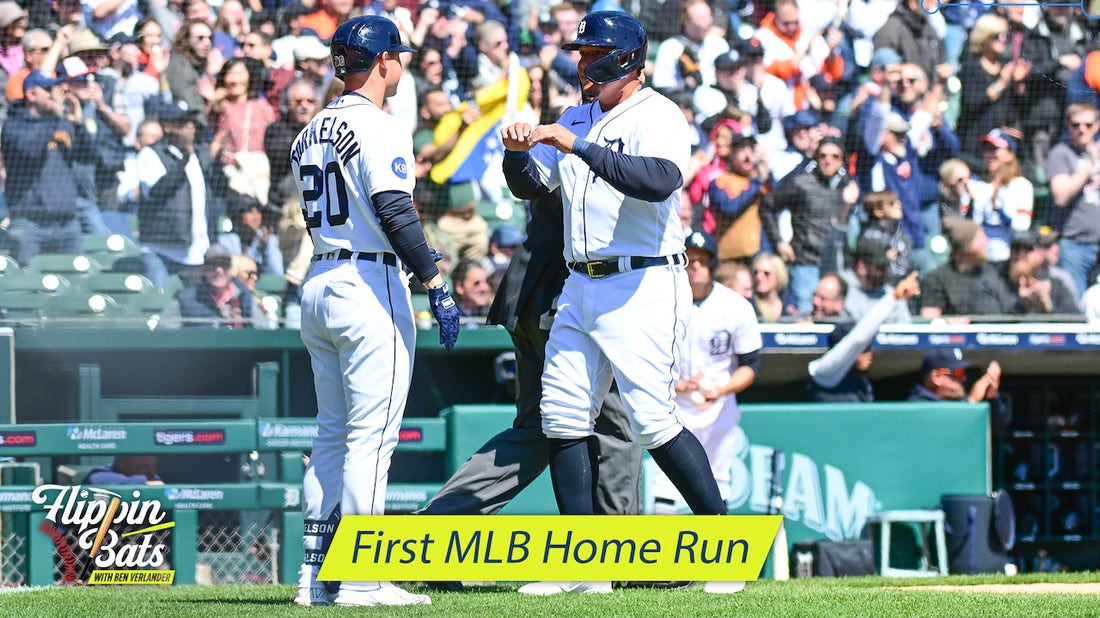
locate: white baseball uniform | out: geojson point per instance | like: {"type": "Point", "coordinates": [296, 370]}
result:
{"type": "Point", "coordinates": [624, 325]}
{"type": "Point", "coordinates": [357, 319]}
{"type": "Point", "coordinates": [722, 326]}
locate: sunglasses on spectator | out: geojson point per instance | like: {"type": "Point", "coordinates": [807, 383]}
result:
{"type": "Point", "coordinates": [766, 273]}
{"type": "Point", "coordinates": [251, 274]}
{"type": "Point", "coordinates": [958, 374]}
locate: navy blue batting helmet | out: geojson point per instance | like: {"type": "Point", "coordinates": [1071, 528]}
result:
{"type": "Point", "coordinates": [619, 31]}
{"type": "Point", "coordinates": [706, 242]}
{"type": "Point", "coordinates": [358, 41]}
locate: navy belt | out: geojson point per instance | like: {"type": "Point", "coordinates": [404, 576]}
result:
{"type": "Point", "coordinates": [388, 259]}
{"type": "Point", "coordinates": [602, 268]}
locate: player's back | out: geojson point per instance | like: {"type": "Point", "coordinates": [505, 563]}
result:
{"type": "Point", "coordinates": [350, 151]}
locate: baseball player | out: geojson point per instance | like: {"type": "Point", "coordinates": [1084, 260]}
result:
{"type": "Point", "coordinates": [353, 167]}
{"type": "Point", "coordinates": [719, 357]}
{"type": "Point", "coordinates": [515, 457]}
{"type": "Point", "coordinates": [620, 161]}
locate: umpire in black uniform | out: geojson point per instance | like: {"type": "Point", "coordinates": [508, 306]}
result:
{"type": "Point", "coordinates": [515, 457]}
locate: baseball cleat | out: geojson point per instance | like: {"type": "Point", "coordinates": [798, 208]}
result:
{"type": "Point", "coordinates": [387, 594]}
{"type": "Point", "coordinates": [548, 588]}
{"type": "Point", "coordinates": [313, 596]}
{"type": "Point", "coordinates": [723, 587]}
{"type": "Point", "coordinates": [446, 586]}
{"type": "Point", "coordinates": [670, 585]}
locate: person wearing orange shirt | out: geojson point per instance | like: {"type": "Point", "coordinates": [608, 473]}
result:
{"type": "Point", "coordinates": [331, 14]}
{"type": "Point", "coordinates": [795, 54]}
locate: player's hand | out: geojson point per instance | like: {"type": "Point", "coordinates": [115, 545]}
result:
{"type": "Point", "coordinates": [436, 255]}
{"type": "Point", "coordinates": [446, 314]}
{"type": "Point", "coordinates": [555, 135]}
{"type": "Point", "coordinates": [515, 137]}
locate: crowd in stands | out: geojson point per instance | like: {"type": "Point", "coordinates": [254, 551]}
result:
{"type": "Point", "coordinates": [840, 144]}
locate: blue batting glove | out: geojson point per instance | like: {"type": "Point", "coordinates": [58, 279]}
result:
{"type": "Point", "coordinates": [446, 314]}
{"type": "Point", "coordinates": [436, 255]}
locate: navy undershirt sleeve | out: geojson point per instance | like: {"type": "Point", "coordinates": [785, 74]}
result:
{"type": "Point", "coordinates": [401, 225]}
{"type": "Point", "coordinates": [652, 179]}
{"type": "Point", "coordinates": [521, 175]}
{"type": "Point", "coordinates": [750, 360]}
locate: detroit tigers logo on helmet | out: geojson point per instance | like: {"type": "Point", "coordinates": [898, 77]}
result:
{"type": "Point", "coordinates": [619, 31]}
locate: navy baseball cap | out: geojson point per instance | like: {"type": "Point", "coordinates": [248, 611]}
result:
{"type": "Point", "coordinates": [944, 359]}
{"type": "Point", "coordinates": [801, 118]}
{"type": "Point", "coordinates": [172, 112]}
{"type": "Point", "coordinates": [999, 139]}
{"type": "Point", "coordinates": [38, 79]}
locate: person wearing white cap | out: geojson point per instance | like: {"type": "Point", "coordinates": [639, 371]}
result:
{"type": "Point", "coordinates": [311, 63]}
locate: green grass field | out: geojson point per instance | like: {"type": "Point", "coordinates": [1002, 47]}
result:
{"type": "Point", "coordinates": [829, 598]}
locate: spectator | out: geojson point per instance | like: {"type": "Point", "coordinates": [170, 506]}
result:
{"type": "Point", "coordinates": [686, 62]}
{"type": "Point", "coordinates": [190, 71]}
{"type": "Point", "coordinates": [884, 60]}
{"type": "Point", "coordinates": [502, 246]}
{"type": "Point", "coordinates": [460, 232]}
{"type": "Point", "coordinates": [736, 276]}
{"type": "Point", "coordinates": [991, 86]}
{"type": "Point", "coordinates": [1074, 172]}
{"type": "Point", "coordinates": [257, 45]}
{"type": "Point", "coordinates": [13, 26]}
{"type": "Point", "coordinates": [41, 143]}
{"type": "Point", "coordinates": [239, 118]}
{"type": "Point", "coordinates": [897, 171]}
{"type": "Point", "coordinates": [429, 73]}
{"type": "Point", "coordinates": [108, 18]}
{"type": "Point", "coordinates": [291, 33]}
{"type": "Point", "coordinates": [329, 15]}
{"type": "Point", "coordinates": [1035, 291]}
{"type": "Point", "coordinates": [709, 162]}
{"type": "Point", "coordinates": [153, 53]}
{"type": "Point", "coordinates": [770, 279]}
{"type": "Point", "coordinates": [247, 273]}
{"type": "Point", "coordinates": [840, 375]}
{"type": "Point", "coordinates": [149, 132]}
{"type": "Point", "coordinates": [1001, 199]}
{"type": "Point", "coordinates": [106, 125]}
{"type": "Point", "coordinates": [812, 198]}
{"type": "Point", "coordinates": [473, 293]}
{"type": "Point", "coordinates": [829, 297]}
{"type": "Point", "coordinates": [803, 136]}
{"type": "Point", "coordinates": [867, 282]}
{"type": "Point", "coordinates": [966, 284]}
{"type": "Point", "coordinates": [251, 237]}
{"type": "Point", "coordinates": [492, 56]}
{"type": "Point", "coordinates": [740, 81]}
{"type": "Point", "coordinates": [954, 188]}
{"type": "Point", "coordinates": [125, 470]}
{"type": "Point", "coordinates": [176, 219]}
{"type": "Point", "coordinates": [909, 32]}
{"type": "Point", "coordinates": [41, 52]}
{"type": "Point", "coordinates": [311, 63]}
{"type": "Point", "coordinates": [795, 54]}
{"type": "Point", "coordinates": [132, 85]}
{"type": "Point", "coordinates": [884, 214]}
{"type": "Point", "coordinates": [943, 378]}
{"type": "Point", "coordinates": [299, 105]}
{"type": "Point", "coordinates": [216, 300]}
{"type": "Point", "coordinates": [735, 197]}
{"type": "Point", "coordinates": [230, 27]}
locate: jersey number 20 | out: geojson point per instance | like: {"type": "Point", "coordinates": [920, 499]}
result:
{"type": "Point", "coordinates": [320, 188]}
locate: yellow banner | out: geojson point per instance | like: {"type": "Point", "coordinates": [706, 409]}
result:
{"type": "Point", "coordinates": [117, 577]}
{"type": "Point", "coordinates": [549, 547]}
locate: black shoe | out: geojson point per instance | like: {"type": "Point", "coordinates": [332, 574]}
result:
{"type": "Point", "coordinates": [675, 585]}
{"type": "Point", "coordinates": [446, 586]}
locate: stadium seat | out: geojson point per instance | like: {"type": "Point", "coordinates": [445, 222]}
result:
{"type": "Point", "coordinates": [14, 306]}
{"type": "Point", "coordinates": [83, 306]}
{"type": "Point", "coordinates": [9, 267]}
{"type": "Point", "coordinates": [69, 264]}
{"type": "Point", "coordinates": [270, 283]}
{"type": "Point", "coordinates": [36, 283]}
{"type": "Point", "coordinates": [144, 305]}
{"type": "Point", "coordinates": [172, 285]}
{"type": "Point", "coordinates": [107, 249]}
{"type": "Point", "coordinates": [117, 284]}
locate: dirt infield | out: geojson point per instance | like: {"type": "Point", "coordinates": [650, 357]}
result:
{"type": "Point", "coordinates": [1038, 588]}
